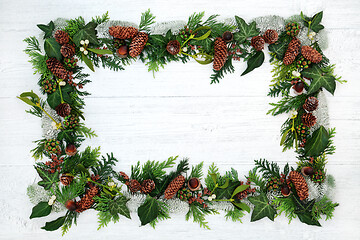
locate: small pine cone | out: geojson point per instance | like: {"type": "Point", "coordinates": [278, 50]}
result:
{"type": "Point", "coordinates": [174, 186]}
{"type": "Point", "coordinates": [138, 43]}
{"type": "Point", "coordinates": [299, 182]}
{"type": "Point", "coordinates": [123, 32]}
{"type": "Point", "coordinates": [57, 68]}
{"type": "Point", "coordinates": [270, 36]}
{"type": "Point", "coordinates": [292, 51]}
{"type": "Point", "coordinates": [311, 104]}
{"type": "Point", "coordinates": [124, 176]}
{"type": "Point", "coordinates": [66, 179]}
{"type": "Point", "coordinates": [147, 186]}
{"type": "Point", "coordinates": [311, 54]}
{"type": "Point", "coordinates": [173, 47]}
{"type": "Point", "coordinates": [220, 54]}
{"type": "Point", "coordinates": [308, 119]}
{"type": "Point", "coordinates": [87, 200]}
{"type": "Point", "coordinates": [258, 43]}
{"type": "Point", "coordinates": [134, 186]}
{"type": "Point", "coordinates": [63, 109]}
{"type": "Point", "coordinates": [67, 50]}
{"type": "Point", "coordinates": [61, 37]}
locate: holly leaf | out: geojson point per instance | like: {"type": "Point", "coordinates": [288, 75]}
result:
{"type": "Point", "coordinates": [88, 32]}
{"type": "Point", "coordinates": [319, 79]}
{"type": "Point", "coordinates": [279, 49]}
{"type": "Point", "coordinates": [262, 208]}
{"type": "Point", "coordinates": [317, 143]}
{"type": "Point", "coordinates": [48, 179]}
{"type": "Point", "coordinates": [148, 211]}
{"type": "Point", "coordinates": [47, 29]}
{"type": "Point", "coordinates": [118, 206]}
{"type": "Point", "coordinates": [42, 209]}
{"type": "Point", "coordinates": [227, 192]}
{"type": "Point", "coordinates": [245, 30]}
{"type": "Point", "coordinates": [52, 48]}
{"type": "Point", "coordinates": [254, 62]}
{"type": "Point", "coordinates": [54, 225]}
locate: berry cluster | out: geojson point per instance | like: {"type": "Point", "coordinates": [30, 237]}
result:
{"type": "Point", "coordinates": [292, 29]}
{"type": "Point", "coordinates": [70, 62]}
{"type": "Point", "coordinates": [52, 146]}
{"type": "Point", "coordinates": [71, 121]}
{"type": "Point", "coordinates": [318, 176]}
{"type": "Point", "coordinates": [49, 85]}
{"type": "Point", "coordinates": [54, 164]}
{"type": "Point", "coordinates": [302, 63]}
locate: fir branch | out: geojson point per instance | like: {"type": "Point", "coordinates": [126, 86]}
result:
{"type": "Point", "coordinates": [37, 59]}
{"type": "Point", "coordinates": [84, 131]}
{"type": "Point", "coordinates": [281, 88]}
{"type": "Point", "coordinates": [256, 179]}
{"type": "Point", "coordinates": [101, 19]}
{"type": "Point", "coordinates": [267, 169]}
{"type": "Point", "coordinates": [234, 215]}
{"type": "Point", "coordinates": [198, 213]}
{"type": "Point", "coordinates": [147, 18]}
{"type": "Point", "coordinates": [71, 191]}
{"type": "Point", "coordinates": [196, 171]}
{"type": "Point", "coordinates": [232, 175]}
{"type": "Point", "coordinates": [285, 205]}
{"type": "Point", "coordinates": [88, 158]}
{"type": "Point", "coordinates": [194, 20]}
{"type": "Point", "coordinates": [227, 68]}
{"type": "Point", "coordinates": [155, 169]}
{"type": "Point", "coordinates": [104, 167]}
{"type": "Point", "coordinates": [104, 218]}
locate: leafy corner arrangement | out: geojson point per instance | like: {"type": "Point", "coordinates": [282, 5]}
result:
{"type": "Point", "coordinates": [75, 181]}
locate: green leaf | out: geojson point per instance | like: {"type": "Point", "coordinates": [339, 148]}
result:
{"type": "Point", "coordinates": [157, 40]}
{"type": "Point", "coordinates": [240, 189]}
{"type": "Point", "coordinates": [88, 62]}
{"type": "Point", "coordinates": [48, 29]}
{"type": "Point", "coordinates": [30, 94]}
{"type": "Point", "coordinates": [245, 30]}
{"type": "Point", "coordinates": [226, 184]}
{"type": "Point", "coordinates": [308, 219]}
{"type": "Point", "coordinates": [54, 99]}
{"type": "Point", "coordinates": [319, 79]}
{"type": "Point", "coordinates": [279, 49]}
{"type": "Point", "coordinates": [42, 209]}
{"type": "Point", "coordinates": [315, 22]}
{"type": "Point", "coordinates": [283, 138]}
{"type": "Point", "coordinates": [227, 192]}
{"type": "Point", "coordinates": [262, 208]}
{"type": "Point", "coordinates": [27, 101]}
{"type": "Point", "coordinates": [100, 51]}
{"type": "Point", "coordinates": [148, 211]}
{"type": "Point", "coordinates": [201, 28]}
{"type": "Point", "coordinates": [254, 62]}
{"type": "Point", "coordinates": [206, 35]}
{"type": "Point", "coordinates": [48, 179]}
{"type": "Point", "coordinates": [317, 142]}
{"type": "Point", "coordinates": [118, 206]}
{"type": "Point", "coordinates": [54, 225]}
{"type": "Point", "coordinates": [303, 210]}
{"type": "Point", "coordinates": [52, 48]}
{"type": "Point", "coordinates": [88, 32]}
{"type": "Point", "coordinates": [242, 206]}
{"type": "Point", "coordinates": [213, 176]}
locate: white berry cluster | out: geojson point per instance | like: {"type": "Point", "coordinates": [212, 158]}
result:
{"type": "Point", "coordinates": [212, 197]}
{"type": "Point", "coordinates": [84, 44]}
{"type": "Point", "coordinates": [52, 200]}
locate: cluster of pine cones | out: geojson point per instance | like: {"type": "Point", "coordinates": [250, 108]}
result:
{"type": "Point", "coordinates": [147, 186]}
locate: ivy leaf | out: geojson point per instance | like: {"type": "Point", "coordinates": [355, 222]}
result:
{"type": "Point", "coordinates": [227, 192]}
{"type": "Point", "coordinates": [48, 179]}
{"type": "Point", "coordinates": [148, 211]}
{"type": "Point", "coordinates": [52, 48]}
{"type": "Point", "coordinates": [262, 208]}
{"type": "Point", "coordinates": [42, 209]}
{"type": "Point", "coordinates": [47, 29]}
{"type": "Point", "coordinates": [308, 219]}
{"type": "Point", "coordinates": [88, 62]}
{"type": "Point", "coordinates": [254, 62]}
{"type": "Point", "coordinates": [118, 206]}
{"type": "Point", "coordinates": [319, 79]}
{"type": "Point", "coordinates": [279, 49]}
{"type": "Point", "coordinates": [88, 32]}
{"type": "Point", "coordinates": [303, 210]}
{"type": "Point", "coordinates": [54, 225]}
{"type": "Point", "coordinates": [239, 189]}
{"type": "Point", "coordinates": [317, 142]}
{"type": "Point", "coordinates": [100, 51]}
{"type": "Point", "coordinates": [245, 30]}
{"type": "Point", "coordinates": [242, 206]}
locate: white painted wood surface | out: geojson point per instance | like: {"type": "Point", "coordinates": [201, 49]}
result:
{"type": "Point", "coordinates": [178, 113]}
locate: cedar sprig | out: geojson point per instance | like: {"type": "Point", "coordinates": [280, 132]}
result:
{"type": "Point", "coordinates": [268, 169]}
{"type": "Point", "coordinates": [74, 25]}
{"type": "Point", "coordinates": [196, 171]}
{"type": "Point", "coordinates": [101, 19]}
{"type": "Point", "coordinates": [234, 215]}
{"type": "Point", "coordinates": [89, 157]}
{"type": "Point", "coordinates": [37, 59]}
{"type": "Point", "coordinates": [227, 68]}
{"type": "Point", "coordinates": [257, 179]}
{"type": "Point", "coordinates": [147, 18]}
{"type": "Point", "coordinates": [232, 175]}
{"type": "Point", "coordinates": [104, 167]}
{"type": "Point", "coordinates": [198, 213]}
{"type": "Point", "coordinates": [71, 218]}
{"type": "Point", "coordinates": [323, 207]}
{"type": "Point", "coordinates": [163, 214]}
{"type": "Point", "coordinates": [285, 205]}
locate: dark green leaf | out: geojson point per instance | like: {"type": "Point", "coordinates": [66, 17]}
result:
{"type": "Point", "coordinates": [54, 225]}
{"type": "Point", "coordinates": [254, 62]}
{"type": "Point", "coordinates": [240, 189]}
{"type": "Point", "coordinates": [319, 79]}
{"type": "Point", "coordinates": [54, 99]}
{"type": "Point", "coordinates": [242, 206]}
{"type": "Point", "coordinates": [48, 29]}
{"type": "Point", "coordinates": [88, 32]}
{"type": "Point", "coordinates": [157, 40]}
{"type": "Point", "coordinates": [279, 49]}
{"type": "Point", "coordinates": [315, 22]}
{"type": "Point", "coordinates": [317, 142]}
{"type": "Point", "coordinates": [227, 192]}
{"type": "Point", "coordinates": [148, 211]}
{"type": "Point", "coordinates": [308, 219]}
{"type": "Point", "coordinates": [118, 206]}
{"type": "Point", "coordinates": [88, 62]}
{"type": "Point", "coordinates": [245, 30]}
{"type": "Point", "coordinates": [317, 28]}
{"type": "Point", "coordinates": [42, 209]}
{"type": "Point", "coordinates": [52, 48]}
{"type": "Point", "coordinates": [262, 208]}
{"type": "Point", "coordinates": [100, 51]}
{"type": "Point", "coordinates": [48, 179]}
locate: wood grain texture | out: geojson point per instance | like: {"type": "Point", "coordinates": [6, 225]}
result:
{"type": "Point", "coordinates": [178, 113]}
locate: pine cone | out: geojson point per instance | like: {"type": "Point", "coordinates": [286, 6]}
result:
{"type": "Point", "coordinates": [66, 179]}
{"type": "Point", "coordinates": [173, 47]}
{"type": "Point", "coordinates": [292, 51]}
{"type": "Point", "coordinates": [308, 119]}
{"type": "Point", "coordinates": [270, 36]}
{"type": "Point", "coordinates": [258, 43]}
{"type": "Point", "coordinates": [147, 186]}
{"type": "Point", "coordinates": [174, 186]}
{"type": "Point", "coordinates": [311, 54]}
{"type": "Point", "coordinates": [61, 37]}
{"type": "Point", "coordinates": [134, 186]}
{"type": "Point", "coordinates": [299, 182]}
{"type": "Point", "coordinates": [67, 50]}
{"type": "Point", "coordinates": [220, 54]}
{"type": "Point", "coordinates": [57, 68]}
{"type": "Point", "coordinates": [124, 176]}
{"type": "Point", "coordinates": [63, 109]}
{"type": "Point", "coordinates": [123, 32]}
{"type": "Point", "coordinates": [138, 43]}
{"type": "Point", "coordinates": [87, 200]}
{"type": "Point", "coordinates": [311, 104]}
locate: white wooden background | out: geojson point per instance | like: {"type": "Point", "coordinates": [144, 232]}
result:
{"type": "Point", "coordinates": [178, 113]}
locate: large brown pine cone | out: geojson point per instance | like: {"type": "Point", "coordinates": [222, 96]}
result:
{"type": "Point", "coordinates": [134, 186]}
{"type": "Point", "coordinates": [173, 47]}
{"type": "Point", "coordinates": [87, 200]}
{"type": "Point", "coordinates": [311, 54]}
{"type": "Point", "coordinates": [270, 36]}
{"type": "Point", "coordinates": [292, 51]}
{"type": "Point", "coordinates": [174, 186]}
{"type": "Point", "coordinates": [63, 109]}
{"type": "Point", "coordinates": [220, 54]}
{"type": "Point", "coordinates": [138, 43]}
{"type": "Point", "coordinates": [299, 182]}
{"type": "Point", "coordinates": [61, 37]}
{"type": "Point", "coordinates": [147, 186]}
{"type": "Point", "coordinates": [57, 68]}
{"type": "Point", "coordinates": [67, 50]}
{"type": "Point", "coordinates": [66, 179]}
{"type": "Point", "coordinates": [308, 119]}
{"type": "Point", "coordinates": [258, 43]}
{"type": "Point", "coordinates": [311, 104]}
{"type": "Point", "coordinates": [123, 32]}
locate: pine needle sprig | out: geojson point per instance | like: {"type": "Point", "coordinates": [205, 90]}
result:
{"type": "Point", "coordinates": [196, 171]}
{"type": "Point", "coordinates": [268, 169]}
{"type": "Point", "coordinates": [287, 104]}
{"type": "Point", "coordinates": [101, 19]}
{"type": "Point", "coordinates": [147, 18]}
{"type": "Point", "coordinates": [195, 20]}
